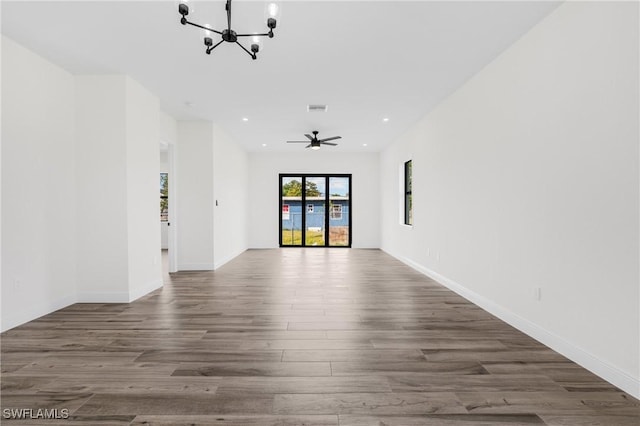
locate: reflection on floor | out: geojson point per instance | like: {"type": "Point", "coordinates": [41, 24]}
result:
{"type": "Point", "coordinates": [299, 336]}
{"type": "Point", "coordinates": [165, 265]}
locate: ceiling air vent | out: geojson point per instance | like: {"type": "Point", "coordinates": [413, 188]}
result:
{"type": "Point", "coordinates": [316, 108]}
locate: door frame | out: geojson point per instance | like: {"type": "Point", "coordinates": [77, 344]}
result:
{"type": "Point", "coordinates": [303, 204]}
{"type": "Point", "coordinates": [172, 231]}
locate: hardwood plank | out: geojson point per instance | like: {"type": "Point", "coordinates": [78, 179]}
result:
{"type": "Point", "coordinates": [266, 335]}
{"type": "Point", "coordinates": [305, 344]}
{"type": "Point", "coordinates": [20, 384]}
{"type": "Point", "coordinates": [439, 344]}
{"type": "Point", "coordinates": [10, 367]}
{"type": "Point", "coordinates": [176, 404]}
{"type": "Point", "coordinates": [126, 384]}
{"type": "Point", "coordinates": [442, 420]}
{"type": "Point", "coordinates": [490, 356]}
{"type": "Point", "coordinates": [87, 370]}
{"type": "Point", "coordinates": [234, 420]}
{"type": "Point", "coordinates": [471, 382]}
{"type": "Point", "coordinates": [161, 355]}
{"type": "Point", "coordinates": [360, 368]}
{"type": "Point", "coordinates": [73, 420]}
{"type": "Point", "coordinates": [359, 384]}
{"type": "Point", "coordinates": [368, 403]}
{"type": "Point", "coordinates": [544, 403]}
{"type": "Point", "coordinates": [354, 355]}
{"type": "Point", "coordinates": [345, 325]}
{"type": "Point", "coordinates": [268, 369]}
{"type": "Point", "coordinates": [591, 420]}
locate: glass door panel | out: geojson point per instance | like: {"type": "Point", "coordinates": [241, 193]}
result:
{"type": "Point", "coordinates": [291, 211]}
{"type": "Point", "coordinates": [315, 200]}
{"type": "Point", "coordinates": [339, 211]}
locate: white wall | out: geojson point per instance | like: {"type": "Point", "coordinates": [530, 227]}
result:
{"type": "Point", "coordinates": [143, 207]}
{"type": "Point", "coordinates": [194, 200]}
{"type": "Point", "coordinates": [527, 177]}
{"type": "Point", "coordinates": [231, 195]}
{"type": "Point", "coordinates": [264, 169]}
{"type": "Point", "coordinates": [117, 182]}
{"type": "Point", "coordinates": [101, 172]}
{"type": "Point", "coordinates": [38, 186]}
{"type": "Point", "coordinates": [210, 166]}
{"type": "Point", "coordinates": [79, 189]}
{"type": "Point", "coordinates": [168, 128]}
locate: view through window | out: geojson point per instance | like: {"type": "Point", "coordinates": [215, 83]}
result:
{"type": "Point", "coordinates": [326, 219]}
{"type": "Point", "coordinates": [164, 197]}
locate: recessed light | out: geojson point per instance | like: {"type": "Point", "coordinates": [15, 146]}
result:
{"type": "Point", "coordinates": [245, 119]}
{"type": "Point", "coordinates": [364, 144]}
{"type": "Point", "coordinates": [385, 119]}
{"type": "Point", "coordinates": [264, 144]}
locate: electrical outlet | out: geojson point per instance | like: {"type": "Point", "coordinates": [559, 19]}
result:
{"type": "Point", "coordinates": [17, 283]}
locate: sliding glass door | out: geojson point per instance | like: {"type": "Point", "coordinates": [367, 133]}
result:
{"type": "Point", "coordinates": [339, 211]}
{"type": "Point", "coordinates": [315, 210]}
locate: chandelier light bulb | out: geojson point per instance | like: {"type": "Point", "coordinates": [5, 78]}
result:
{"type": "Point", "coordinates": [273, 10]}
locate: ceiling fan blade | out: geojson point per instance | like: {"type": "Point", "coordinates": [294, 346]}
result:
{"type": "Point", "coordinates": [308, 146]}
{"type": "Point", "coordinates": [297, 141]}
{"type": "Point", "coordinates": [329, 143]}
{"type": "Point", "coordinates": [309, 136]}
{"type": "Point", "coordinates": [330, 139]}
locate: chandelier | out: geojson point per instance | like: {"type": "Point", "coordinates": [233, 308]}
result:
{"type": "Point", "coordinates": [229, 35]}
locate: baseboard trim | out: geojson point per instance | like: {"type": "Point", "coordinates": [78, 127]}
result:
{"type": "Point", "coordinates": [137, 293]}
{"type": "Point", "coordinates": [107, 297]}
{"type": "Point", "coordinates": [196, 267]}
{"type": "Point", "coordinates": [37, 312]}
{"type": "Point", "coordinates": [601, 368]}
{"type": "Point", "coordinates": [228, 259]}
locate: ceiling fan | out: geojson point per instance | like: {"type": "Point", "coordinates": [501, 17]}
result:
{"type": "Point", "coordinates": [314, 142]}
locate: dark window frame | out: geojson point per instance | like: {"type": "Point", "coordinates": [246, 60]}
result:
{"type": "Point", "coordinates": [303, 177]}
{"type": "Point", "coordinates": [408, 193]}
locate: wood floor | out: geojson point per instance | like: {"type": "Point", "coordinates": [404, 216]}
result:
{"type": "Point", "coordinates": [298, 337]}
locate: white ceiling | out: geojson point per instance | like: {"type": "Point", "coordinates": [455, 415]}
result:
{"type": "Point", "coordinates": [365, 59]}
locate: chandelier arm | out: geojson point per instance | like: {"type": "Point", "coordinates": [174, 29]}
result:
{"type": "Point", "coordinates": [209, 49]}
{"type": "Point", "coordinates": [204, 28]}
{"type": "Point", "coordinates": [253, 55]}
{"type": "Point", "coordinates": [252, 35]}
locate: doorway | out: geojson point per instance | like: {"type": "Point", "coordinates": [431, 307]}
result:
{"type": "Point", "coordinates": [315, 210]}
{"type": "Point", "coordinates": [167, 208]}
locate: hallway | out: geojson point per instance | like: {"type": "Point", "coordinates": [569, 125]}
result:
{"type": "Point", "coordinates": [298, 336]}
